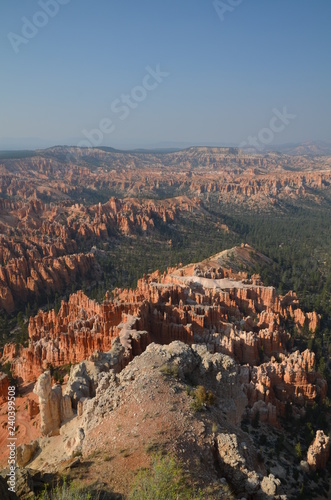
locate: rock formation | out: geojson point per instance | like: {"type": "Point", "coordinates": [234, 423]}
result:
{"type": "Point", "coordinates": [25, 452]}
{"type": "Point", "coordinates": [204, 303]}
{"type": "Point", "coordinates": [54, 407]}
{"type": "Point", "coordinates": [33, 408]}
{"type": "Point", "coordinates": [255, 179]}
{"type": "Point", "coordinates": [127, 392]}
{"type": "Point", "coordinates": [41, 242]}
{"type": "Point", "coordinates": [319, 451]}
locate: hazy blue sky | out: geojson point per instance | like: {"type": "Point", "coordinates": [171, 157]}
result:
{"type": "Point", "coordinates": [225, 76]}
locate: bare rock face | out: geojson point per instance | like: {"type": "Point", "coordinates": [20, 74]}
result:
{"type": "Point", "coordinates": [85, 378]}
{"type": "Point", "coordinates": [233, 458]}
{"type": "Point", "coordinates": [81, 328]}
{"type": "Point", "coordinates": [6, 300]}
{"type": "Point", "coordinates": [38, 251]}
{"type": "Point", "coordinates": [33, 408]}
{"type": "Point", "coordinates": [66, 408]}
{"type": "Point", "coordinates": [74, 445]}
{"type": "Point", "coordinates": [54, 408]}
{"type": "Point", "coordinates": [33, 273]}
{"type": "Point", "coordinates": [267, 412]}
{"type": "Point", "coordinates": [269, 485]}
{"type": "Point", "coordinates": [49, 403]}
{"type": "Point", "coordinates": [80, 383]}
{"type": "Point", "coordinates": [319, 451]}
{"type": "Point", "coordinates": [292, 378]}
{"type": "Point", "coordinates": [25, 452]}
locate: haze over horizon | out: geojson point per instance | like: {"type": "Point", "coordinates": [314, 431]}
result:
{"type": "Point", "coordinates": [131, 75]}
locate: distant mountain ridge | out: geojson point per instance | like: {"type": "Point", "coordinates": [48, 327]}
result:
{"type": "Point", "coordinates": [311, 148]}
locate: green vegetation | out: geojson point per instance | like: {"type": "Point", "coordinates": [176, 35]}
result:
{"type": "Point", "coordinates": [192, 239]}
{"type": "Point", "coordinates": [6, 368]}
{"type": "Point", "coordinates": [201, 398]}
{"type": "Point", "coordinates": [165, 481]}
{"type": "Point", "coordinates": [59, 372]}
{"type": "Point", "coordinates": [170, 369]}
{"type": "Point", "coordinates": [298, 450]}
{"type": "Point", "coordinates": [295, 235]}
{"type": "Point", "coordinates": [14, 155]}
{"type": "Point", "coordinates": [297, 238]}
{"type": "Point", "coordinates": [67, 491]}
{"type": "Point", "coordinates": [298, 241]}
{"type": "Point", "coordinates": [22, 336]}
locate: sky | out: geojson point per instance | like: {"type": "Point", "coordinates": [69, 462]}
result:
{"type": "Point", "coordinates": [128, 73]}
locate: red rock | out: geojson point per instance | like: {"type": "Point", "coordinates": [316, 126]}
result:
{"type": "Point", "coordinates": [33, 408]}
{"type": "Point", "coordinates": [245, 321]}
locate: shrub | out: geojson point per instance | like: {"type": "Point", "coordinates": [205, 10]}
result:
{"type": "Point", "coordinates": [214, 428]}
{"type": "Point", "coordinates": [170, 370]}
{"type": "Point", "coordinates": [201, 398]}
{"type": "Point", "coordinates": [66, 491]}
{"type": "Point", "coordinates": [298, 450]}
{"type": "Point", "coordinates": [165, 481]}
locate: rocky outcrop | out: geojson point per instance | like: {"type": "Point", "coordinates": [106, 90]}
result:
{"type": "Point", "coordinates": [233, 464]}
{"type": "Point", "coordinates": [292, 378]}
{"type": "Point", "coordinates": [33, 408]}
{"type": "Point", "coordinates": [54, 407]}
{"type": "Point", "coordinates": [74, 444]}
{"type": "Point", "coordinates": [179, 364]}
{"type": "Point", "coordinates": [200, 304]}
{"type": "Point", "coordinates": [188, 362]}
{"type": "Point", "coordinates": [29, 484]}
{"type": "Point", "coordinates": [238, 463]}
{"type": "Point", "coordinates": [39, 242]}
{"type": "Point", "coordinates": [81, 327]}
{"type": "Point", "coordinates": [25, 452]}
{"type": "Point", "coordinates": [319, 451]}
{"type": "Point", "coordinates": [22, 279]}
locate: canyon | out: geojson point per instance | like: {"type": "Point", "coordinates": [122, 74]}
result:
{"type": "Point", "coordinates": [53, 231]}
{"type": "Point", "coordinates": [69, 220]}
{"type": "Point", "coordinates": [200, 303]}
{"type": "Point", "coordinates": [39, 242]}
{"type": "Point", "coordinates": [232, 323]}
{"type": "Point", "coordinates": [64, 173]}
